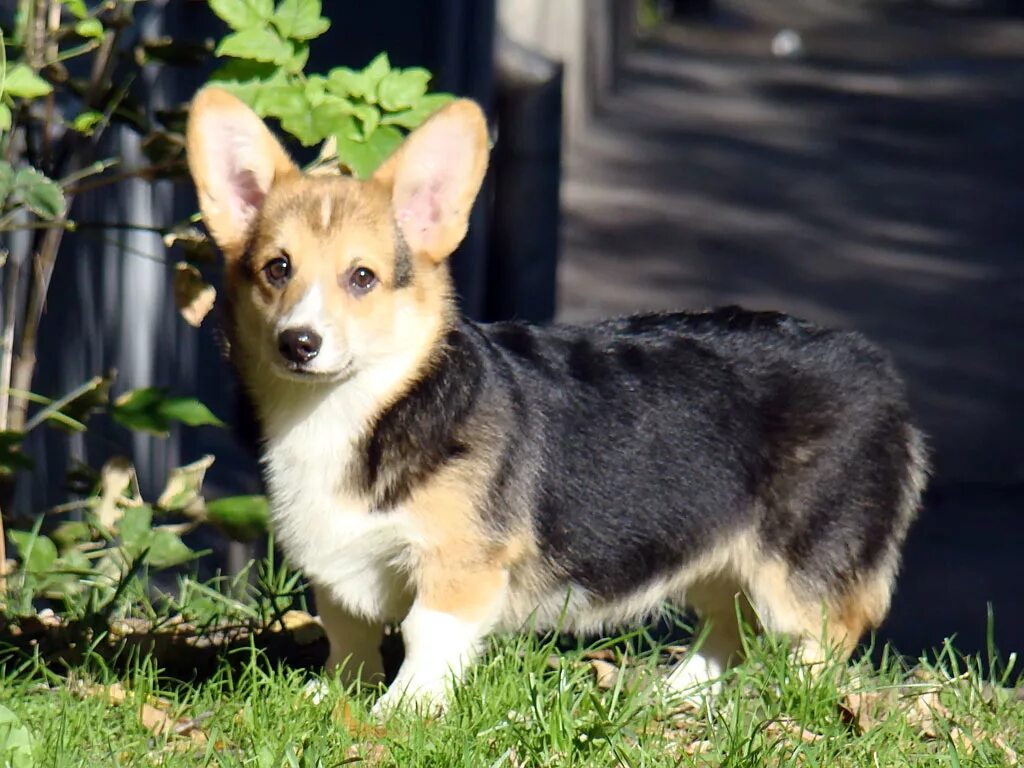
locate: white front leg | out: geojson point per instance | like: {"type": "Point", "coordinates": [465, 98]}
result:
{"type": "Point", "coordinates": [443, 632]}
{"type": "Point", "coordinates": [438, 648]}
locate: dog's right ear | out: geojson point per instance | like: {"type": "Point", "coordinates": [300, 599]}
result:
{"type": "Point", "coordinates": [234, 160]}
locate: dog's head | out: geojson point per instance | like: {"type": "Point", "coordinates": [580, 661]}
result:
{"type": "Point", "coordinates": [331, 275]}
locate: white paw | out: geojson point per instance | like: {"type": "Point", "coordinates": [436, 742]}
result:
{"type": "Point", "coordinates": [696, 679]}
{"type": "Point", "coordinates": [428, 698]}
{"type": "Point", "coordinates": [316, 691]}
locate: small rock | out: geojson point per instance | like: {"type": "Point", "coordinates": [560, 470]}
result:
{"type": "Point", "coordinates": [787, 44]}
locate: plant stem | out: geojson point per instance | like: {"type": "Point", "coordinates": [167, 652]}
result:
{"type": "Point", "coordinates": [90, 170]}
{"type": "Point", "coordinates": [29, 225]}
{"type": "Point", "coordinates": [46, 255]}
{"type": "Point", "coordinates": [101, 225]}
{"type": "Point", "coordinates": [25, 362]}
{"type": "Point", "coordinates": [56, 405]}
{"type": "Point", "coordinates": [147, 172]}
{"type": "Point", "coordinates": [61, 418]}
{"type": "Point", "coordinates": [12, 273]}
{"type": "Point", "coordinates": [3, 558]}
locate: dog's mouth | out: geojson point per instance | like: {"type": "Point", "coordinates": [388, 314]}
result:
{"type": "Point", "coordinates": [306, 373]}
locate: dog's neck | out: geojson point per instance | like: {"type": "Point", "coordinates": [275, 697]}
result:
{"type": "Point", "coordinates": [419, 432]}
{"type": "Point", "coordinates": [389, 425]}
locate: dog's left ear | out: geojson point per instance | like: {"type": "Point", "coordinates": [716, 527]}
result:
{"type": "Point", "coordinates": [435, 176]}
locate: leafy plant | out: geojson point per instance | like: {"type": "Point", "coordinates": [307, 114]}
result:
{"type": "Point", "coordinates": [18, 747]}
{"type": "Point", "coordinates": [361, 114]}
{"type": "Point", "coordinates": [52, 121]}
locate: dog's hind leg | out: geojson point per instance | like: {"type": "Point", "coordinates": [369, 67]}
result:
{"type": "Point", "coordinates": [822, 627]}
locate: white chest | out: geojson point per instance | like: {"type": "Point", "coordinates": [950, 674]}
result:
{"type": "Point", "coordinates": [360, 555]}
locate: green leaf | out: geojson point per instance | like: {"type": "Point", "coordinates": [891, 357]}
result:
{"type": "Point", "coordinates": [243, 14]}
{"type": "Point", "coordinates": [66, 578]}
{"type": "Point", "coordinates": [330, 115]}
{"type": "Point", "coordinates": [345, 82]}
{"type": "Point", "coordinates": [89, 28]}
{"type": "Point", "coordinates": [242, 518]}
{"type": "Point", "coordinates": [279, 98]}
{"type": "Point", "coordinates": [256, 44]}
{"type": "Point", "coordinates": [414, 117]}
{"type": "Point", "coordinates": [374, 73]}
{"type": "Point", "coordinates": [22, 82]}
{"type": "Point", "coordinates": [77, 7]}
{"type": "Point", "coordinates": [6, 120]}
{"type": "Point", "coordinates": [362, 158]}
{"type": "Point", "coordinates": [6, 180]}
{"type": "Point", "coordinates": [300, 125]}
{"type": "Point", "coordinates": [244, 78]}
{"type": "Point", "coordinates": [136, 529]}
{"type": "Point", "coordinates": [17, 745]}
{"type": "Point", "coordinates": [243, 70]}
{"type": "Point", "coordinates": [189, 411]}
{"type": "Point", "coordinates": [75, 560]}
{"type": "Point", "coordinates": [71, 532]}
{"type": "Point", "coordinates": [184, 485]}
{"type": "Point", "coordinates": [151, 410]}
{"type": "Point", "coordinates": [401, 89]}
{"type": "Point", "coordinates": [368, 117]}
{"type": "Point", "coordinates": [297, 62]}
{"type": "Point", "coordinates": [166, 549]}
{"type": "Point", "coordinates": [37, 553]}
{"type": "Point", "coordinates": [316, 89]}
{"type": "Point", "coordinates": [42, 195]}
{"type": "Point", "coordinates": [287, 101]}
{"type": "Point", "coordinates": [300, 19]}
{"type": "Point", "coordinates": [86, 121]}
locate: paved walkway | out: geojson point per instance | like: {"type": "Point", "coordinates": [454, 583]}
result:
{"type": "Point", "coordinates": [877, 183]}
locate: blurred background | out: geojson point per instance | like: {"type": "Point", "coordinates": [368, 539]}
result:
{"type": "Point", "coordinates": [856, 163]}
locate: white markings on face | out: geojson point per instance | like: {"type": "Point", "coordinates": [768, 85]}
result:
{"type": "Point", "coordinates": [308, 312]}
{"type": "Point", "coordinates": [326, 210]}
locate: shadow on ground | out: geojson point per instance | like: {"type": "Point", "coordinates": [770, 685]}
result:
{"type": "Point", "coordinates": [876, 183]}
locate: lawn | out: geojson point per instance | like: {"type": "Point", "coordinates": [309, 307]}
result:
{"type": "Point", "coordinates": [529, 702]}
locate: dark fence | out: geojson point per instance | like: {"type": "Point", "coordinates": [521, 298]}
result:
{"type": "Point", "coordinates": [111, 304]}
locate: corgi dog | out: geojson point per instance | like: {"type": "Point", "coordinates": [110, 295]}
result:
{"type": "Point", "coordinates": [462, 479]}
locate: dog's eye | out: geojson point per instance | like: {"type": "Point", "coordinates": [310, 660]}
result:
{"type": "Point", "coordinates": [361, 280]}
{"type": "Point", "coordinates": [278, 270]}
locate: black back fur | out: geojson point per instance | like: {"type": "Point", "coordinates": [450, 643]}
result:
{"type": "Point", "coordinates": [637, 443]}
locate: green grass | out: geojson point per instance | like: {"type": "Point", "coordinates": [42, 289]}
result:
{"type": "Point", "coordinates": [519, 708]}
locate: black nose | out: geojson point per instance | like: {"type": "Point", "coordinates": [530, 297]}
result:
{"type": "Point", "coordinates": [299, 345]}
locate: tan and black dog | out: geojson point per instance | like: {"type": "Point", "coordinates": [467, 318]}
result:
{"type": "Point", "coordinates": [462, 478]}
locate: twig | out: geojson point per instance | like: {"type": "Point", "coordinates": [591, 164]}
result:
{"type": "Point", "coordinates": [12, 273]}
{"type": "Point", "coordinates": [62, 418]}
{"type": "Point", "coordinates": [90, 170]}
{"type": "Point", "coordinates": [46, 256]}
{"type": "Point", "coordinates": [87, 225]}
{"type": "Point", "coordinates": [25, 362]}
{"type": "Point", "coordinates": [29, 225]}
{"type": "Point", "coordinates": [56, 405]}
{"type": "Point", "coordinates": [147, 172]}
{"type": "Point", "coordinates": [77, 50]}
